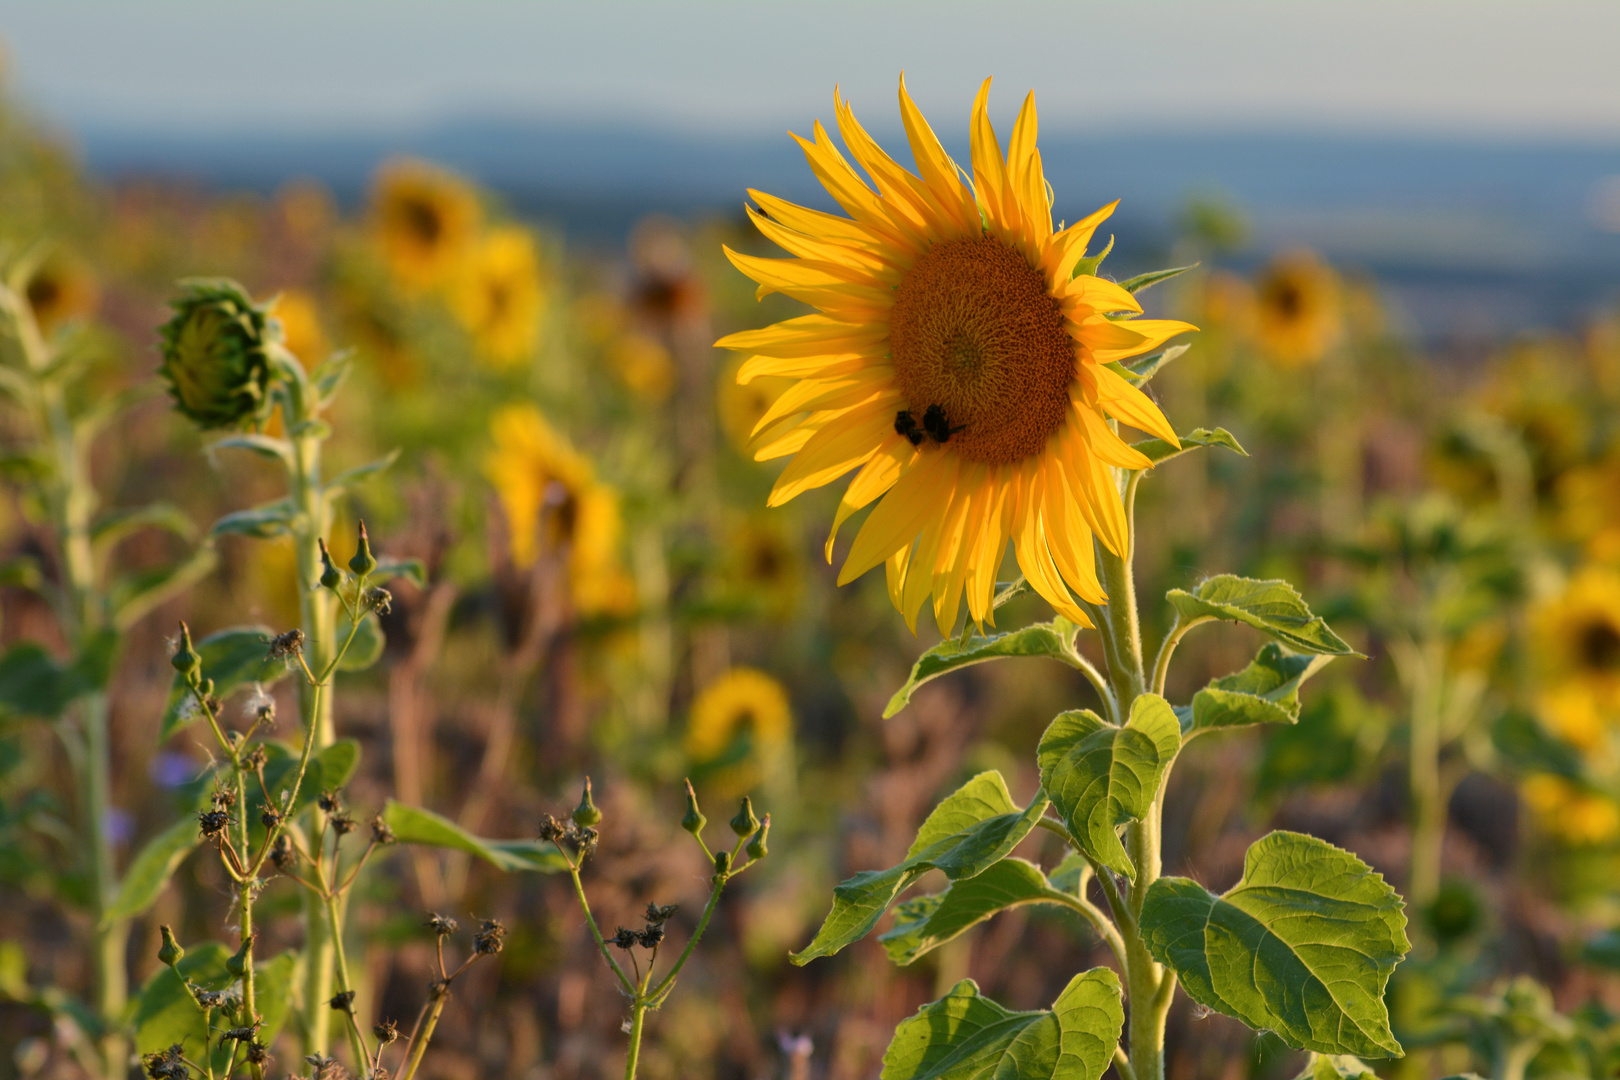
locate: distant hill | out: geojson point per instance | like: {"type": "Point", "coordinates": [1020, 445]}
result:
{"type": "Point", "coordinates": [1473, 239]}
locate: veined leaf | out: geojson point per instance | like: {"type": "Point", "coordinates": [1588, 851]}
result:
{"type": "Point", "coordinates": [133, 596]}
{"type": "Point", "coordinates": [1265, 692]}
{"type": "Point", "coordinates": [1100, 777]}
{"type": "Point", "coordinates": [329, 769]}
{"type": "Point", "coordinates": [34, 683]}
{"type": "Point", "coordinates": [1055, 638]}
{"type": "Point", "coordinates": [412, 570]}
{"type": "Point", "coordinates": [1303, 944]}
{"type": "Point", "coordinates": [263, 521]}
{"type": "Point", "coordinates": [1336, 1067]}
{"type": "Point", "coordinates": [966, 1036]}
{"type": "Point", "coordinates": [977, 826]}
{"type": "Point", "coordinates": [1273, 607]}
{"type": "Point", "coordinates": [152, 868]}
{"type": "Point", "coordinates": [1153, 277]}
{"type": "Point", "coordinates": [1158, 451]}
{"type": "Point", "coordinates": [414, 825]}
{"type": "Point", "coordinates": [1142, 368]}
{"type": "Point", "coordinates": [233, 658]}
{"type": "Point", "coordinates": [924, 924]}
{"type": "Point", "coordinates": [165, 1014]}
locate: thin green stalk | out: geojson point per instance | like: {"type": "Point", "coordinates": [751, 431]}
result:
{"type": "Point", "coordinates": [357, 1046]}
{"type": "Point", "coordinates": [638, 1018]}
{"type": "Point", "coordinates": [596, 934]}
{"type": "Point", "coordinates": [249, 1009]}
{"type": "Point", "coordinates": [1428, 792]}
{"type": "Point", "coordinates": [420, 1040]}
{"type": "Point", "coordinates": [668, 981]}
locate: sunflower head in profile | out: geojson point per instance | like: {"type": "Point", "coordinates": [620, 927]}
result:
{"type": "Point", "coordinates": [498, 298]}
{"type": "Point", "coordinates": [424, 219]}
{"type": "Point", "coordinates": [739, 728]}
{"type": "Point", "coordinates": [960, 361]}
{"type": "Point", "coordinates": [59, 291]}
{"type": "Point", "coordinates": [1298, 311]}
{"type": "Point", "coordinates": [554, 505]}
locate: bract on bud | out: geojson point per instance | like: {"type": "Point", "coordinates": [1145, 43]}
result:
{"type": "Point", "coordinates": [756, 847]}
{"type": "Point", "coordinates": [694, 820]}
{"type": "Point", "coordinates": [215, 357]}
{"type": "Point", "coordinates": [586, 814]}
{"type": "Point", "coordinates": [171, 952]}
{"type": "Point", "coordinates": [363, 563]}
{"type": "Point", "coordinates": [186, 659]}
{"type": "Point", "coordinates": [745, 823]}
{"type": "Point", "coordinates": [331, 576]}
{"type": "Point", "coordinates": [237, 963]}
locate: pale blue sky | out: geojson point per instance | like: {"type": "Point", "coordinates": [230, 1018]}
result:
{"type": "Point", "coordinates": [1487, 68]}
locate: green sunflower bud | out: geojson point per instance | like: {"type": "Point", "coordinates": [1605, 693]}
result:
{"type": "Point", "coordinates": [722, 862]}
{"type": "Point", "coordinates": [363, 563]}
{"type": "Point", "coordinates": [214, 354]}
{"type": "Point", "coordinates": [170, 953]}
{"type": "Point", "coordinates": [237, 963]}
{"type": "Point", "coordinates": [756, 847]}
{"type": "Point", "coordinates": [186, 659]}
{"type": "Point", "coordinates": [745, 823]}
{"type": "Point", "coordinates": [331, 576]}
{"type": "Point", "coordinates": [694, 820]}
{"type": "Point", "coordinates": [586, 814]}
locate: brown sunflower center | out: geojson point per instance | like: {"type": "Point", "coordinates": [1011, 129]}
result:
{"type": "Point", "coordinates": [423, 221]}
{"type": "Point", "coordinates": [980, 350]}
{"type": "Point", "coordinates": [1600, 646]}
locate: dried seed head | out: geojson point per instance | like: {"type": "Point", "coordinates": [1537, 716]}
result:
{"type": "Point", "coordinates": [442, 925]}
{"type": "Point", "coordinates": [387, 1032]}
{"type": "Point", "coordinates": [270, 817]}
{"type": "Point", "coordinates": [657, 914]}
{"type": "Point", "coordinates": [491, 938]}
{"type": "Point", "coordinates": [286, 646]}
{"type": "Point", "coordinates": [342, 824]}
{"type": "Point", "coordinates": [380, 832]}
{"type": "Point", "coordinates": [257, 1053]}
{"type": "Point", "coordinates": [281, 853]}
{"type": "Point", "coordinates": [652, 935]}
{"type": "Point", "coordinates": [343, 1002]}
{"type": "Point", "coordinates": [330, 802]}
{"type": "Point", "coordinates": [379, 600]}
{"type": "Point", "coordinates": [212, 823]}
{"type": "Point", "coordinates": [550, 828]}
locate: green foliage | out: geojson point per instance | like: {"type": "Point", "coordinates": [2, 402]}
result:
{"type": "Point", "coordinates": [1336, 1067]}
{"type": "Point", "coordinates": [1153, 277]}
{"type": "Point", "coordinates": [329, 769]}
{"type": "Point", "coordinates": [232, 658]}
{"type": "Point", "coordinates": [1273, 607]}
{"type": "Point", "coordinates": [1159, 451]}
{"type": "Point", "coordinates": [1054, 639]}
{"type": "Point", "coordinates": [414, 825]}
{"type": "Point", "coordinates": [1142, 368]}
{"type": "Point", "coordinates": [965, 1036]}
{"type": "Point", "coordinates": [976, 827]}
{"type": "Point", "coordinates": [1303, 945]}
{"type": "Point", "coordinates": [152, 868]}
{"type": "Point", "coordinates": [34, 683]}
{"type": "Point", "coordinates": [368, 644]}
{"type": "Point", "coordinates": [1099, 777]}
{"type": "Point", "coordinates": [927, 922]}
{"type": "Point", "coordinates": [1265, 692]}
{"type": "Point", "coordinates": [166, 1013]}
{"type": "Point", "coordinates": [261, 522]}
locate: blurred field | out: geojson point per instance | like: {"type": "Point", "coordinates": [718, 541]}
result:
{"type": "Point", "coordinates": [607, 594]}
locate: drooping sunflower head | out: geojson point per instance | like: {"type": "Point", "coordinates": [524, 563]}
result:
{"type": "Point", "coordinates": [960, 361]}
{"type": "Point", "coordinates": [60, 290]}
{"type": "Point", "coordinates": [1298, 312]}
{"type": "Point", "coordinates": [216, 353]}
{"type": "Point", "coordinates": [424, 219]}
{"type": "Point", "coordinates": [739, 726]}
{"type": "Point", "coordinates": [498, 298]}
{"type": "Point", "coordinates": [554, 504]}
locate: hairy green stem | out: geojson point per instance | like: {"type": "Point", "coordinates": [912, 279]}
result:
{"type": "Point", "coordinates": [334, 916]}
{"type": "Point", "coordinates": [632, 1054]}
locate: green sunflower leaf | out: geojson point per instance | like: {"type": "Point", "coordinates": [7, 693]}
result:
{"type": "Point", "coordinates": [1100, 777]}
{"type": "Point", "coordinates": [1265, 692]}
{"type": "Point", "coordinates": [165, 1014]}
{"type": "Point", "coordinates": [1336, 1067]}
{"type": "Point", "coordinates": [1158, 451]}
{"type": "Point", "coordinates": [976, 827]}
{"type": "Point", "coordinates": [924, 924]}
{"type": "Point", "coordinates": [367, 647]}
{"type": "Point", "coordinates": [152, 868]}
{"type": "Point", "coordinates": [1153, 277]}
{"type": "Point", "coordinates": [1273, 607]}
{"type": "Point", "coordinates": [261, 522]}
{"type": "Point", "coordinates": [414, 825]}
{"type": "Point", "coordinates": [1303, 945]}
{"type": "Point", "coordinates": [966, 1036]}
{"type": "Point", "coordinates": [1055, 639]}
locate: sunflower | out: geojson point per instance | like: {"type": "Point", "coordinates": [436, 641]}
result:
{"type": "Point", "coordinates": [958, 361]}
{"type": "Point", "coordinates": [554, 503]}
{"type": "Point", "coordinates": [1298, 311]}
{"type": "Point", "coordinates": [1571, 812]}
{"type": "Point", "coordinates": [764, 565]}
{"type": "Point", "coordinates": [497, 296]}
{"type": "Point", "coordinates": [739, 728]}
{"type": "Point", "coordinates": [1577, 636]}
{"type": "Point", "coordinates": [425, 220]}
{"type": "Point", "coordinates": [300, 323]}
{"type": "Point", "coordinates": [59, 291]}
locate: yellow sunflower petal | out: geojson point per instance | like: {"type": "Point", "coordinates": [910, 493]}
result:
{"type": "Point", "coordinates": [936, 167]}
{"type": "Point", "coordinates": [808, 335]}
{"type": "Point", "coordinates": [902, 513]}
{"type": "Point", "coordinates": [831, 393]}
{"type": "Point", "coordinates": [1129, 405]}
{"type": "Point", "coordinates": [1067, 248]}
{"type": "Point", "coordinates": [876, 476]}
{"type": "Point", "coordinates": [835, 450]}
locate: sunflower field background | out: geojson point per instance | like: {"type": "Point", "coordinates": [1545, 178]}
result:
{"type": "Point", "coordinates": [555, 466]}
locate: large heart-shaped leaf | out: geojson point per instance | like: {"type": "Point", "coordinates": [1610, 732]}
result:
{"type": "Point", "coordinates": [1265, 692]}
{"type": "Point", "coordinates": [1274, 607]}
{"type": "Point", "coordinates": [1055, 638]}
{"type": "Point", "coordinates": [972, 830]}
{"type": "Point", "coordinates": [927, 922]}
{"type": "Point", "coordinates": [233, 658]}
{"type": "Point", "coordinates": [413, 825]}
{"type": "Point", "coordinates": [1099, 776]}
{"type": "Point", "coordinates": [1302, 945]}
{"type": "Point", "coordinates": [966, 1036]}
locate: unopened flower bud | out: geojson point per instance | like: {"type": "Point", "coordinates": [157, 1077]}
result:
{"type": "Point", "coordinates": [331, 576]}
{"type": "Point", "coordinates": [215, 354]}
{"type": "Point", "coordinates": [363, 563]}
{"type": "Point", "coordinates": [171, 953]}
{"type": "Point", "coordinates": [694, 820]}
{"type": "Point", "coordinates": [186, 659]}
{"type": "Point", "coordinates": [756, 847]}
{"type": "Point", "coordinates": [745, 823]}
{"type": "Point", "coordinates": [237, 963]}
{"type": "Point", "coordinates": [586, 814]}
{"type": "Point", "coordinates": [722, 862]}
